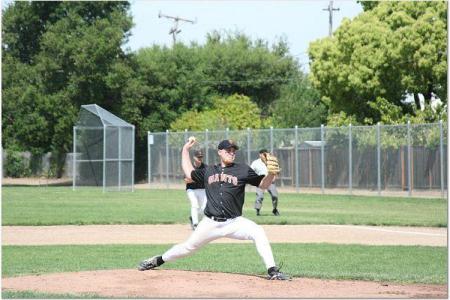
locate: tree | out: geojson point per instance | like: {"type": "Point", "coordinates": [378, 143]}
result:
{"type": "Point", "coordinates": [168, 82]}
{"type": "Point", "coordinates": [299, 104]}
{"type": "Point", "coordinates": [235, 64]}
{"type": "Point", "coordinates": [368, 5]}
{"type": "Point", "coordinates": [58, 56]}
{"type": "Point", "coordinates": [390, 50]}
{"type": "Point", "coordinates": [171, 81]}
{"type": "Point", "coordinates": [235, 112]}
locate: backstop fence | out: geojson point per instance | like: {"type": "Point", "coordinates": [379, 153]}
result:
{"type": "Point", "coordinates": [103, 147]}
{"type": "Point", "coordinates": [404, 160]}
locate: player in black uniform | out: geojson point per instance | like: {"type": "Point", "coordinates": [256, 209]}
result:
{"type": "Point", "coordinates": [196, 192]}
{"type": "Point", "coordinates": [225, 190]}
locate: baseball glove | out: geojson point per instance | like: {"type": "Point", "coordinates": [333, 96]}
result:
{"type": "Point", "coordinates": [272, 163]}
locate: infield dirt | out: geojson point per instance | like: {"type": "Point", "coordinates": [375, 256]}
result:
{"type": "Point", "coordinates": [186, 284]}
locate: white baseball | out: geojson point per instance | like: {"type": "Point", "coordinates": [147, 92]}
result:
{"type": "Point", "coordinates": [192, 139]}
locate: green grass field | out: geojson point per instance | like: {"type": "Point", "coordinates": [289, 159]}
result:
{"type": "Point", "coordinates": [404, 264]}
{"type": "Point", "coordinates": [61, 205]}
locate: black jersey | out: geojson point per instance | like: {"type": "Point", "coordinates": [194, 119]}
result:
{"type": "Point", "coordinates": [196, 185]}
{"type": "Point", "coordinates": [225, 188]}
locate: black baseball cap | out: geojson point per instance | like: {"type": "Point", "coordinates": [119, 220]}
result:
{"type": "Point", "coordinates": [263, 151]}
{"type": "Point", "coordinates": [225, 144]}
{"type": "Point", "coordinates": [198, 153]}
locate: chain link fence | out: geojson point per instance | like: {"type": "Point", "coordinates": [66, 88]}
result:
{"type": "Point", "coordinates": [403, 160]}
{"type": "Point", "coordinates": [104, 150]}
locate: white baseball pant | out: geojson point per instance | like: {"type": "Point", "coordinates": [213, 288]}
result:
{"type": "Point", "coordinates": [208, 230]}
{"type": "Point", "coordinates": [197, 198]}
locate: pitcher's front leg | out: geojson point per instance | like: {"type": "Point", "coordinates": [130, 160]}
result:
{"type": "Point", "coordinates": [206, 232]}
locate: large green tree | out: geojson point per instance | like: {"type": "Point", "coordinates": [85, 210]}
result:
{"type": "Point", "coordinates": [235, 112]}
{"type": "Point", "coordinates": [233, 63]}
{"type": "Point", "coordinates": [388, 51]}
{"type": "Point", "coordinates": [299, 104]}
{"type": "Point", "coordinates": [171, 81]}
{"type": "Point", "coordinates": [56, 57]}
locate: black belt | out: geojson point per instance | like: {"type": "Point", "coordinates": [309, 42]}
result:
{"type": "Point", "coordinates": [217, 219]}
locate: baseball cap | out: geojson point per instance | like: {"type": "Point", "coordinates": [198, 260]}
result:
{"type": "Point", "coordinates": [198, 153]}
{"type": "Point", "coordinates": [225, 144]}
{"type": "Point", "coordinates": [263, 151]}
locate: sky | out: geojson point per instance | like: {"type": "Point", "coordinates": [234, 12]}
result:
{"type": "Point", "coordinates": [298, 21]}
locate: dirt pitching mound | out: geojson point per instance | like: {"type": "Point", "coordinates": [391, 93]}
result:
{"type": "Point", "coordinates": [185, 284]}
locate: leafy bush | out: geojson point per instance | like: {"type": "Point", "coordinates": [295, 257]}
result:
{"type": "Point", "coordinates": [16, 165]}
{"type": "Point", "coordinates": [235, 112]}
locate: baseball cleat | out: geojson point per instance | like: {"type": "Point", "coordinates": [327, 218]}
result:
{"type": "Point", "coordinates": [275, 212]}
{"type": "Point", "coordinates": [257, 212]}
{"type": "Point", "coordinates": [275, 274]}
{"type": "Point", "coordinates": [148, 264]}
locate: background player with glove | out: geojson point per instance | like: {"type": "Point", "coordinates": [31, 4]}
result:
{"type": "Point", "coordinates": [261, 166]}
{"type": "Point", "coordinates": [225, 191]}
{"type": "Point", "coordinates": [196, 192]}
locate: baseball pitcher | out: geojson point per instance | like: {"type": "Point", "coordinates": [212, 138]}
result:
{"type": "Point", "coordinates": [225, 190]}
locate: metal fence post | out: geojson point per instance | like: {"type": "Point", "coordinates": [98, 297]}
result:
{"type": "Point", "coordinates": [271, 139]}
{"type": "Point", "coordinates": [297, 174]}
{"type": "Point", "coordinates": [322, 155]}
{"type": "Point", "coordinates": [378, 159]}
{"type": "Point", "coordinates": [206, 146]}
{"type": "Point", "coordinates": [149, 158]}
{"type": "Point", "coordinates": [248, 146]}
{"type": "Point", "coordinates": [185, 135]}
{"type": "Point", "coordinates": [120, 158]}
{"type": "Point", "coordinates": [227, 133]}
{"type": "Point", "coordinates": [167, 158]}
{"type": "Point", "coordinates": [350, 167]}
{"type": "Point", "coordinates": [104, 158]}
{"type": "Point", "coordinates": [74, 163]}
{"type": "Point", "coordinates": [441, 155]}
{"type": "Point", "coordinates": [409, 159]}
{"type": "Point", "coordinates": [133, 162]}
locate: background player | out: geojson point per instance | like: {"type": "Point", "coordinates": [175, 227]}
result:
{"type": "Point", "coordinates": [196, 192]}
{"type": "Point", "coordinates": [261, 169]}
{"type": "Point", "coordinates": [225, 190]}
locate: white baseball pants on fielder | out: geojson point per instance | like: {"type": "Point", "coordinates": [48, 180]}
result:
{"type": "Point", "coordinates": [208, 230]}
{"type": "Point", "coordinates": [197, 198]}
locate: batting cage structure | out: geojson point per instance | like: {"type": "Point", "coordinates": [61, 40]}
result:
{"type": "Point", "coordinates": [103, 146]}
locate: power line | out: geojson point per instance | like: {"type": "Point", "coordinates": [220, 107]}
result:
{"type": "Point", "coordinates": [262, 80]}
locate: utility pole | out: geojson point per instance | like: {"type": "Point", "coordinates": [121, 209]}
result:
{"type": "Point", "coordinates": [174, 30]}
{"type": "Point", "coordinates": [330, 10]}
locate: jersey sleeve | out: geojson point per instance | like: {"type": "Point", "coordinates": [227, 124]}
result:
{"type": "Point", "coordinates": [198, 175]}
{"type": "Point", "coordinates": [253, 178]}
